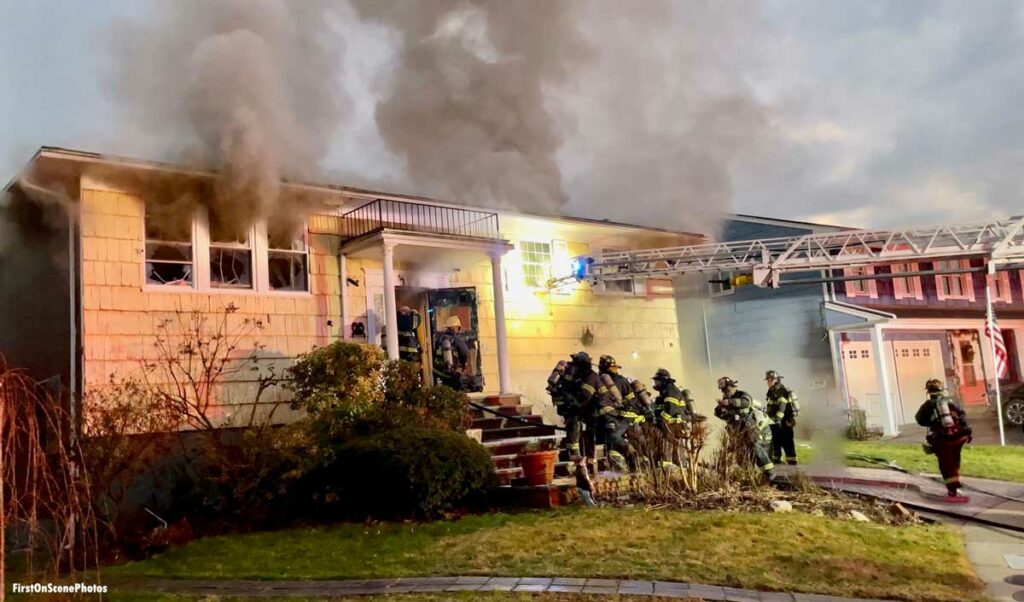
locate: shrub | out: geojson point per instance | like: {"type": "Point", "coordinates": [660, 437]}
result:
{"type": "Point", "coordinates": [340, 380]}
{"type": "Point", "coordinates": [350, 389]}
{"type": "Point", "coordinates": [407, 472]}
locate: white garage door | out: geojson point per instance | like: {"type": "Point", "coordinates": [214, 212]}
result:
{"type": "Point", "coordinates": [861, 380]}
{"type": "Point", "coordinates": [915, 363]}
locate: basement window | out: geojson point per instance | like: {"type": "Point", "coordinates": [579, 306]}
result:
{"type": "Point", "coordinates": [169, 259]}
{"type": "Point", "coordinates": [230, 254]}
{"type": "Point", "coordinates": [288, 261]}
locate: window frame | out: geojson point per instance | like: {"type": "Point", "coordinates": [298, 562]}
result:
{"type": "Point", "coordinates": [718, 289]}
{"type": "Point", "coordinates": [259, 253]}
{"type": "Point", "coordinates": [192, 286]}
{"type": "Point", "coordinates": [966, 280]}
{"type": "Point", "coordinates": [266, 261]}
{"type": "Point", "coordinates": [636, 285]}
{"type": "Point", "coordinates": [545, 268]}
{"type": "Point", "coordinates": [870, 285]}
{"type": "Point", "coordinates": [210, 245]}
{"type": "Point", "coordinates": [907, 287]}
{"type": "Point", "coordinates": [1002, 292]}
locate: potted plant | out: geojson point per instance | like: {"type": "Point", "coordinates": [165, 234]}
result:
{"type": "Point", "coordinates": [537, 459]}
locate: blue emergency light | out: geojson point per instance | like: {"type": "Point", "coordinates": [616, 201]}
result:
{"type": "Point", "coordinates": [581, 267]}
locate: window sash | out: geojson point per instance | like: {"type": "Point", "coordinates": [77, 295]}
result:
{"type": "Point", "coordinates": [535, 258]}
{"type": "Point", "coordinates": [953, 287]}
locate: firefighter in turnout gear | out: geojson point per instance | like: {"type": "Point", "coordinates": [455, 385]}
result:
{"type": "Point", "coordinates": [948, 432]}
{"type": "Point", "coordinates": [562, 388]}
{"type": "Point", "coordinates": [782, 410]}
{"type": "Point", "coordinates": [672, 406]}
{"type": "Point", "coordinates": [748, 422]}
{"type": "Point", "coordinates": [620, 412]}
{"type": "Point", "coordinates": [408, 322]}
{"type": "Point", "coordinates": [452, 358]}
{"type": "Point", "coordinates": [590, 396]}
{"type": "Point", "coordinates": [671, 409]}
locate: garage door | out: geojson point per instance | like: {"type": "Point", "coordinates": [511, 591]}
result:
{"type": "Point", "coordinates": [861, 381]}
{"type": "Point", "coordinates": [915, 363]}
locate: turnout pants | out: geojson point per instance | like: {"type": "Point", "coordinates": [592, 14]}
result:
{"type": "Point", "coordinates": [948, 453]}
{"type": "Point", "coordinates": [783, 440]}
{"type": "Point", "coordinates": [761, 442]}
{"type": "Point", "coordinates": [573, 431]}
{"type": "Point", "coordinates": [618, 447]}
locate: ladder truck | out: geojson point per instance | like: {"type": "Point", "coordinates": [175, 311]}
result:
{"type": "Point", "coordinates": [764, 262]}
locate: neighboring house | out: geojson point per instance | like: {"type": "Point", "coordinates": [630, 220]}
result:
{"type": "Point", "coordinates": [94, 261]}
{"type": "Point", "coordinates": [928, 326]}
{"type": "Point", "coordinates": [744, 331]}
{"type": "Point", "coordinates": [832, 340]}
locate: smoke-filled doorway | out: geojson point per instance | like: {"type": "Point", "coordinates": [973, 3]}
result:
{"type": "Point", "coordinates": [455, 309]}
{"type": "Point", "coordinates": [424, 316]}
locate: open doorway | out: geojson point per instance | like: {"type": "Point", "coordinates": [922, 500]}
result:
{"type": "Point", "coordinates": [443, 305]}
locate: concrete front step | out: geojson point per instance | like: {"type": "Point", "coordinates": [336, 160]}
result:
{"type": "Point", "coordinates": [497, 422]}
{"type": "Point", "coordinates": [516, 431]}
{"type": "Point", "coordinates": [520, 410]}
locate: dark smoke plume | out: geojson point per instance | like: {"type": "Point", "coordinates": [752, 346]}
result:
{"type": "Point", "coordinates": [249, 88]}
{"type": "Point", "coordinates": [466, 106]}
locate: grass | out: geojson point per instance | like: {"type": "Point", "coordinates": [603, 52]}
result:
{"type": "Point", "coordinates": [756, 551]}
{"type": "Point", "coordinates": [984, 461]}
{"type": "Point", "coordinates": [413, 597]}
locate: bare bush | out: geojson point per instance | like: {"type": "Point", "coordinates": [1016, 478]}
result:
{"type": "Point", "coordinates": [43, 489]}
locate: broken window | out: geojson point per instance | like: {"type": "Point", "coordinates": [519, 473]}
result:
{"type": "Point", "coordinates": [287, 260]}
{"type": "Point", "coordinates": [230, 253]}
{"type": "Point", "coordinates": [169, 258]}
{"type": "Point", "coordinates": [624, 286]}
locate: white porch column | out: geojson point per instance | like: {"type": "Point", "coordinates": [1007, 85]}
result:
{"type": "Point", "coordinates": [390, 311]}
{"type": "Point", "coordinates": [500, 331]}
{"type": "Point", "coordinates": [882, 370]}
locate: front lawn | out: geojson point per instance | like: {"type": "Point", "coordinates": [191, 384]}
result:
{"type": "Point", "coordinates": [757, 551]}
{"type": "Point", "coordinates": [424, 597]}
{"type": "Point", "coordinates": [984, 461]}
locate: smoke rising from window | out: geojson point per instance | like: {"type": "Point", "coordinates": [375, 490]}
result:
{"type": "Point", "coordinates": [249, 88]}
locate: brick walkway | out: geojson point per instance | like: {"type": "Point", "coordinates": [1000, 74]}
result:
{"type": "Point", "coordinates": [368, 587]}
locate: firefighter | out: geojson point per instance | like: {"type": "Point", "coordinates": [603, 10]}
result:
{"type": "Point", "coordinates": [782, 410]}
{"type": "Point", "coordinates": [671, 409]}
{"type": "Point", "coordinates": [748, 422]}
{"type": "Point", "coordinates": [451, 355]}
{"type": "Point", "coordinates": [562, 388]}
{"type": "Point", "coordinates": [948, 432]}
{"type": "Point", "coordinates": [671, 406]}
{"type": "Point", "coordinates": [619, 412]}
{"type": "Point", "coordinates": [408, 323]}
{"type": "Point", "coordinates": [590, 396]}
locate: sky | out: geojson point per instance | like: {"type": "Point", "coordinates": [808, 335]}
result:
{"type": "Point", "coordinates": [867, 114]}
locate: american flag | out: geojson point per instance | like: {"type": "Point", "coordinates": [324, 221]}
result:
{"type": "Point", "coordinates": [992, 331]}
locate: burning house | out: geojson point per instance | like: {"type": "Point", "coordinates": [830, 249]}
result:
{"type": "Point", "coordinates": [94, 269]}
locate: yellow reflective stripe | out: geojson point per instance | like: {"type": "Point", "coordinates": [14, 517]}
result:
{"type": "Point", "coordinates": [633, 415]}
{"type": "Point", "coordinates": [630, 396]}
{"type": "Point", "coordinates": [603, 390]}
{"type": "Point", "coordinates": [615, 454]}
{"type": "Point", "coordinates": [675, 402]}
{"type": "Point", "coordinates": [607, 410]}
{"type": "Point", "coordinates": [588, 388]}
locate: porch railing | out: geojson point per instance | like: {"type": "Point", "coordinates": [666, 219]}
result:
{"type": "Point", "coordinates": [418, 217]}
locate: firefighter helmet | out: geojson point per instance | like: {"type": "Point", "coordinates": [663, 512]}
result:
{"type": "Point", "coordinates": [453, 322]}
{"type": "Point", "coordinates": [725, 382]}
{"type": "Point", "coordinates": [607, 363]}
{"type": "Point", "coordinates": [663, 375]}
{"type": "Point", "coordinates": [772, 375]}
{"type": "Point", "coordinates": [934, 385]}
{"type": "Point", "coordinates": [581, 357]}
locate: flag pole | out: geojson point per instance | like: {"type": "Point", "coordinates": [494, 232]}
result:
{"type": "Point", "coordinates": [990, 325]}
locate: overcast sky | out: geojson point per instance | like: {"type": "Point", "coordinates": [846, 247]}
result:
{"type": "Point", "coordinates": [856, 113]}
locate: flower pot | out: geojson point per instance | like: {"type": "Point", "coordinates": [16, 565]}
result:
{"type": "Point", "coordinates": [538, 467]}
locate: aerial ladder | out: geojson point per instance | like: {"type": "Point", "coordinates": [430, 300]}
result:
{"type": "Point", "coordinates": [762, 262]}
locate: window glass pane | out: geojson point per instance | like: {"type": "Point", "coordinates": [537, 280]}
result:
{"type": "Point", "coordinates": [168, 244]}
{"type": "Point", "coordinates": [230, 268]}
{"type": "Point", "coordinates": [287, 270]}
{"type": "Point", "coordinates": [536, 259]}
